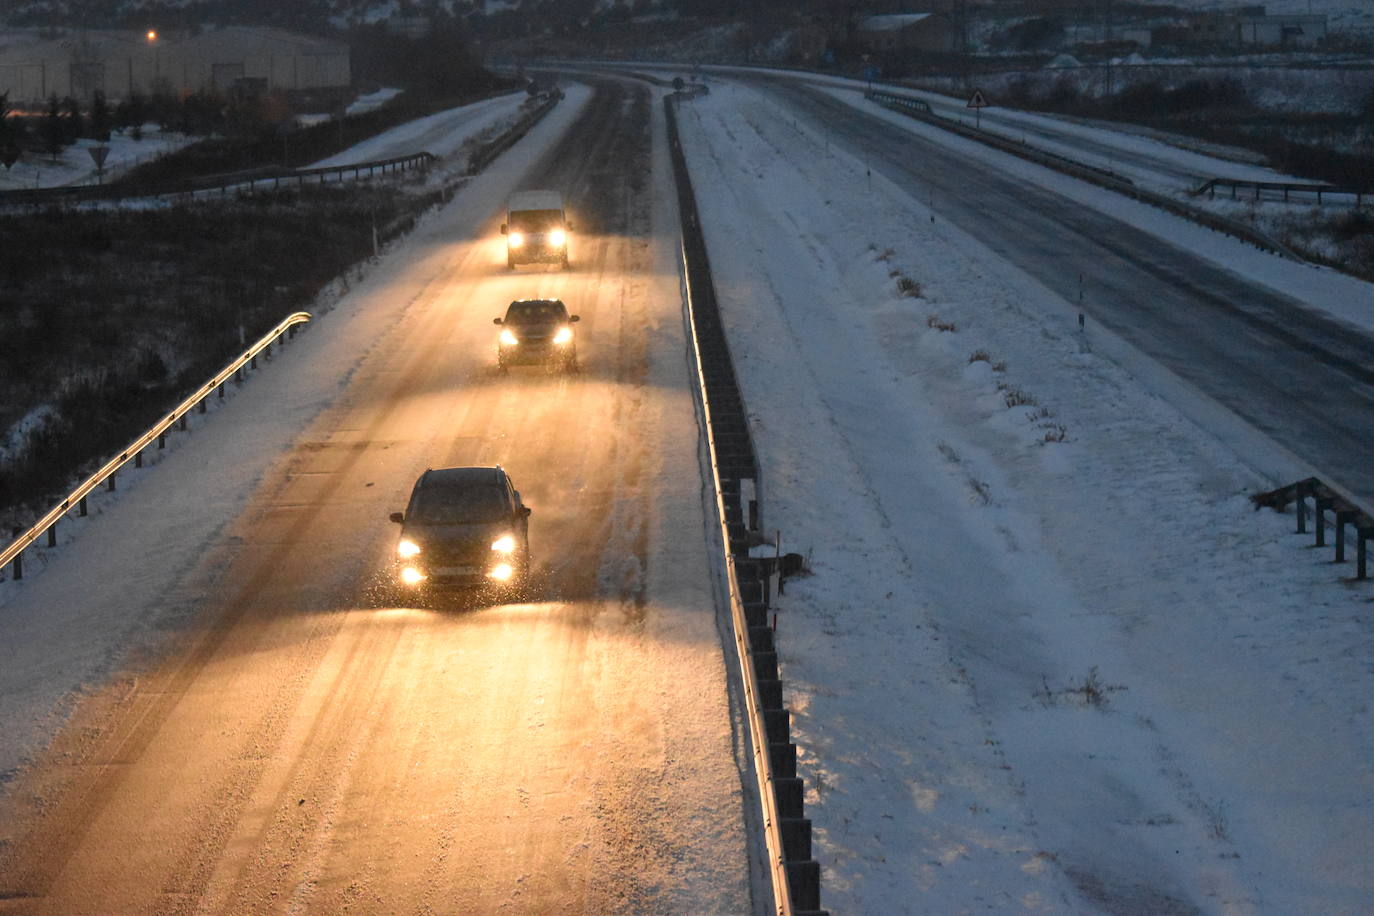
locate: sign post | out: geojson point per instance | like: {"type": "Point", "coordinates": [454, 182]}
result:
{"type": "Point", "coordinates": [98, 154]}
{"type": "Point", "coordinates": [978, 102]}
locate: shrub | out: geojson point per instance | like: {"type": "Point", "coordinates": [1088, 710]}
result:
{"type": "Point", "coordinates": [1015, 397]}
{"type": "Point", "coordinates": [909, 287]}
{"type": "Point", "coordinates": [980, 356]}
{"type": "Point", "coordinates": [933, 321]}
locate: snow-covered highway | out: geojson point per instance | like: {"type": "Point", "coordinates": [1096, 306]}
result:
{"type": "Point", "coordinates": [1047, 658]}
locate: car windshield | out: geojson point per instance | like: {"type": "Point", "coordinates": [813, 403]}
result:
{"type": "Point", "coordinates": [459, 505]}
{"type": "Point", "coordinates": [536, 312]}
{"type": "Point", "coordinates": [536, 220]}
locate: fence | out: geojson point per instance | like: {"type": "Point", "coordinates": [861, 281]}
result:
{"type": "Point", "coordinates": [795, 875]}
{"type": "Point", "coordinates": [1287, 191]}
{"type": "Point", "coordinates": [1100, 177]}
{"type": "Point", "coordinates": [1344, 513]}
{"type": "Point", "coordinates": [242, 181]}
{"type": "Point", "coordinates": [76, 500]}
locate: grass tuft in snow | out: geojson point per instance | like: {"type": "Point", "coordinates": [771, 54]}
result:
{"type": "Point", "coordinates": [1091, 692]}
{"type": "Point", "coordinates": [934, 321]}
{"type": "Point", "coordinates": [909, 288]}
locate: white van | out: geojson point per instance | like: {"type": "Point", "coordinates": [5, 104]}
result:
{"type": "Point", "coordinates": [536, 228]}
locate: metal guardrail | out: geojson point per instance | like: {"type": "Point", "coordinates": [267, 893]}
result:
{"type": "Point", "coordinates": [1344, 511]}
{"type": "Point", "coordinates": [482, 158]}
{"type": "Point", "coordinates": [223, 183]}
{"type": "Point", "coordinates": [1102, 178]}
{"type": "Point", "coordinates": [14, 553]}
{"type": "Point", "coordinates": [1281, 190]}
{"type": "Point", "coordinates": [794, 873]}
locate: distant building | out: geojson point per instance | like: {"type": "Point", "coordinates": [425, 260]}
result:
{"type": "Point", "coordinates": [1281, 31]}
{"type": "Point", "coordinates": [409, 26]}
{"type": "Point", "coordinates": [1249, 27]}
{"type": "Point", "coordinates": [119, 63]}
{"type": "Point", "coordinates": [905, 32]}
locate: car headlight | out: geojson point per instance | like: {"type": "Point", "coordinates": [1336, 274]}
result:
{"type": "Point", "coordinates": [504, 544]}
{"type": "Point", "coordinates": [502, 572]}
{"type": "Point", "coordinates": [563, 336]}
{"type": "Point", "coordinates": [407, 548]}
{"type": "Point", "coordinates": [509, 339]}
{"type": "Point", "coordinates": [557, 238]}
{"type": "Point", "coordinates": [516, 239]}
{"type": "Point", "coordinates": [412, 576]}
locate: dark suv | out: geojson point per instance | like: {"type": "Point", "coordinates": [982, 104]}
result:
{"type": "Point", "coordinates": [464, 527]}
{"type": "Point", "coordinates": [537, 331]}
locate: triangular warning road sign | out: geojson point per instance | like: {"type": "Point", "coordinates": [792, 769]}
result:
{"type": "Point", "coordinates": [978, 100]}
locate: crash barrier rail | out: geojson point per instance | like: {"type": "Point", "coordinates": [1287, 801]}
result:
{"type": "Point", "coordinates": [1280, 190]}
{"type": "Point", "coordinates": [1101, 177]}
{"type": "Point", "coordinates": [76, 500]}
{"type": "Point", "coordinates": [1344, 512]}
{"type": "Point", "coordinates": [243, 181]}
{"type": "Point", "coordinates": [795, 874]}
{"type": "Point", "coordinates": [483, 157]}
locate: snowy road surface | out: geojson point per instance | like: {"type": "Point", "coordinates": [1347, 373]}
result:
{"type": "Point", "coordinates": [1264, 354]}
{"type": "Point", "coordinates": [304, 744]}
{"type": "Point", "coordinates": [1049, 659]}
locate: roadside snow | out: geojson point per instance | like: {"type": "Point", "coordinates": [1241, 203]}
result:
{"type": "Point", "coordinates": [442, 133]}
{"type": "Point", "coordinates": [371, 101]}
{"type": "Point", "coordinates": [1026, 674]}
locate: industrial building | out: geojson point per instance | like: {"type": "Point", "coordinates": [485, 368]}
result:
{"type": "Point", "coordinates": [119, 63]}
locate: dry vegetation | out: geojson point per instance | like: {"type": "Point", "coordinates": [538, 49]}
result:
{"type": "Point", "coordinates": [111, 316]}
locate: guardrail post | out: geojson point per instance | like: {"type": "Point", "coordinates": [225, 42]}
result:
{"type": "Point", "coordinates": [161, 440]}
{"type": "Point", "coordinates": [253, 362]}
{"type": "Point", "coordinates": [52, 535]}
{"type": "Point", "coordinates": [138, 458]}
{"type": "Point", "coordinates": [182, 423]}
{"type": "Point", "coordinates": [1342, 516]}
{"type": "Point", "coordinates": [1321, 504]}
{"type": "Point", "coordinates": [1362, 536]}
{"type": "Point", "coordinates": [18, 560]}
{"type": "Point", "coordinates": [201, 405]}
{"type": "Point", "coordinates": [110, 482]}
{"type": "Point", "coordinates": [81, 507]}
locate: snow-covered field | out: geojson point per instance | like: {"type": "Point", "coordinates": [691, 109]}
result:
{"type": "Point", "coordinates": [74, 164]}
{"type": "Point", "coordinates": [1027, 674]}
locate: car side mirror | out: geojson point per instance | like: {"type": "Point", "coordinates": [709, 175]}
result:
{"type": "Point", "coordinates": [496, 321]}
{"type": "Point", "coordinates": [398, 517]}
{"type": "Point", "coordinates": [524, 511]}
{"type": "Point", "coordinates": [504, 230]}
{"type": "Point", "coordinates": [572, 318]}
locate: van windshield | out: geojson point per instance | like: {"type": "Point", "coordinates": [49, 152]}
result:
{"type": "Point", "coordinates": [459, 505]}
{"type": "Point", "coordinates": [536, 220]}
